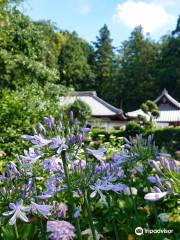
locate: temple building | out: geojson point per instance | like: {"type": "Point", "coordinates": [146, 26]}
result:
{"type": "Point", "coordinates": [169, 110]}
{"type": "Point", "coordinates": [104, 115]}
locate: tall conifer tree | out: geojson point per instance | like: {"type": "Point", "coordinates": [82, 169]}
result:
{"type": "Point", "coordinates": [104, 57]}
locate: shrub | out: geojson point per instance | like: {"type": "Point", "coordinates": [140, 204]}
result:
{"type": "Point", "coordinates": [168, 138]}
{"type": "Point", "coordinates": [21, 109]}
{"type": "Point", "coordinates": [80, 109]}
{"type": "Point", "coordinates": [132, 129]}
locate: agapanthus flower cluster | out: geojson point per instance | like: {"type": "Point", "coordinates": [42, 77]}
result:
{"type": "Point", "coordinates": [166, 178]}
{"type": "Point", "coordinates": [60, 230]}
{"type": "Point", "coordinates": [38, 175]}
{"type": "Point", "coordinates": [140, 147]}
{"type": "Point", "coordinates": [59, 174]}
{"type": "Point", "coordinates": [18, 210]}
{"type": "Point", "coordinates": [107, 174]}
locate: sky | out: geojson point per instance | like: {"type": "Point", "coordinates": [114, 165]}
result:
{"type": "Point", "coordinates": [86, 17]}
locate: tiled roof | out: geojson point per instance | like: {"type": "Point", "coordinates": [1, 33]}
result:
{"type": "Point", "coordinates": [164, 93]}
{"type": "Point", "coordinates": [98, 106]}
{"type": "Point", "coordinates": [168, 113]}
{"type": "Point", "coordinates": [135, 113]}
{"type": "Point", "coordinates": [169, 116]}
{"type": "Point", "coordinates": [165, 116]}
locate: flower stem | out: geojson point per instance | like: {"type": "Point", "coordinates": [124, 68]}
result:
{"type": "Point", "coordinates": [71, 199]}
{"type": "Point", "coordinates": [16, 231]}
{"type": "Point", "coordinates": [87, 202]}
{"type": "Point", "coordinates": [112, 218]}
{"type": "Point", "coordinates": [42, 230]}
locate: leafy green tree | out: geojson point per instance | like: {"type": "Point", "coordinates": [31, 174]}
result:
{"type": "Point", "coordinates": [151, 109]}
{"type": "Point", "coordinates": [23, 53]}
{"type": "Point", "coordinates": [137, 77]}
{"type": "Point", "coordinates": [104, 59]}
{"type": "Point", "coordinates": [53, 41]}
{"type": "Point", "coordinates": [54, 91]}
{"type": "Point", "coordinates": [73, 64]}
{"type": "Point", "coordinates": [169, 65]}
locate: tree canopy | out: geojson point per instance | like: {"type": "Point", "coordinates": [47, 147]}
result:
{"type": "Point", "coordinates": [40, 52]}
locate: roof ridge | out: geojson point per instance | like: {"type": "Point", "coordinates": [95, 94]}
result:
{"type": "Point", "coordinates": [105, 103]}
{"type": "Point", "coordinates": [169, 97]}
{"type": "Point", "coordinates": [86, 93]}
{"type": "Point", "coordinates": [93, 94]}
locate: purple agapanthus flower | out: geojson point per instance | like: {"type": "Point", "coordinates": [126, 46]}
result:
{"type": "Point", "coordinates": [37, 140]}
{"type": "Point", "coordinates": [77, 212]}
{"type": "Point", "coordinates": [155, 196]}
{"type": "Point", "coordinates": [151, 179]}
{"type": "Point", "coordinates": [45, 196]}
{"type": "Point", "coordinates": [51, 188]}
{"type": "Point", "coordinates": [155, 165]}
{"type": "Point", "coordinates": [111, 177]}
{"type": "Point", "coordinates": [86, 130]}
{"type": "Point", "coordinates": [3, 191]}
{"type": "Point", "coordinates": [79, 165]}
{"type": "Point", "coordinates": [71, 115]}
{"type": "Point", "coordinates": [18, 211]}
{"type": "Point", "coordinates": [71, 140]}
{"type": "Point", "coordinates": [140, 168]}
{"type": "Point", "coordinates": [58, 144]}
{"type": "Point", "coordinates": [61, 210]}
{"type": "Point", "coordinates": [97, 169]}
{"type": "Point", "coordinates": [53, 164]}
{"type": "Point", "coordinates": [120, 158]}
{"type": "Point", "coordinates": [170, 165]}
{"type": "Point", "coordinates": [99, 153]}
{"type": "Point", "coordinates": [98, 187]}
{"type": "Point", "coordinates": [31, 156]}
{"type": "Point", "coordinates": [44, 210]}
{"type": "Point", "coordinates": [49, 122]}
{"type": "Point", "coordinates": [28, 188]}
{"type": "Point", "coordinates": [118, 188]}
{"type": "Point", "coordinates": [41, 128]}
{"type": "Point", "coordinates": [12, 168]}
{"type": "Point", "coordinates": [79, 139]}
{"type": "Point", "coordinates": [60, 230]}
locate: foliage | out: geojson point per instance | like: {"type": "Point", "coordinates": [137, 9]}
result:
{"type": "Point", "coordinates": [39, 52]}
{"type": "Point", "coordinates": [53, 91]}
{"type": "Point", "coordinates": [168, 73]}
{"type": "Point", "coordinates": [80, 109]}
{"type": "Point", "coordinates": [137, 72]}
{"type": "Point", "coordinates": [133, 128]}
{"type": "Point", "coordinates": [73, 63]}
{"type": "Point", "coordinates": [103, 65]}
{"type": "Point", "coordinates": [25, 52]}
{"type": "Point", "coordinates": [21, 109]}
{"type": "Point", "coordinates": [18, 70]}
{"type": "Point", "coordinates": [151, 110]}
{"type": "Point", "coordinates": [168, 138]}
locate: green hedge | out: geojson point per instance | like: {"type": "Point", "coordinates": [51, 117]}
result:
{"type": "Point", "coordinates": [168, 138]}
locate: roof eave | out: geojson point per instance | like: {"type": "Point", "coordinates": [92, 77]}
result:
{"type": "Point", "coordinates": [171, 99]}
